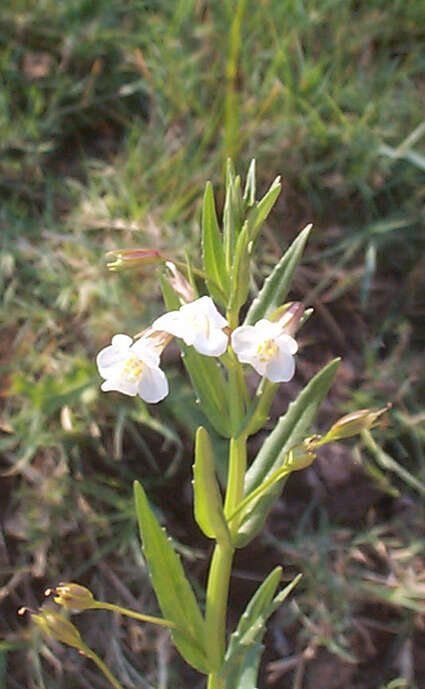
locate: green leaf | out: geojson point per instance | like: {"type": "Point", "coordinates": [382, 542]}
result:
{"type": "Point", "coordinates": [259, 213]}
{"type": "Point", "coordinates": [290, 431]}
{"type": "Point", "coordinates": [243, 655]}
{"type": "Point", "coordinates": [175, 595]}
{"type": "Point", "coordinates": [249, 192]}
{"type": "Point", "coordinates": [208, 502]}
{"type": "Point", "coordinates": [212, 249]}
{"type": "Point", "coordinates": [207, 378]}
{"type": "Point", "coordinates": [240, 277]}
{"type": "Point", "coordinates": [232, 214]}
{"type": "Point", "coordinates": [259, 602]}
{"type": "Point", "coordinates": [210, 388]}
{"type": "Point", "coordinates": [277, 285]}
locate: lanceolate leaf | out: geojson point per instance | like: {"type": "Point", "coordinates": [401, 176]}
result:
{"type": "Point", "coordinates": [240, 277]}
{"type": "Point", "coordinates": [210, 388]}
{"type": "Point", "coordinates": [208, 502]}
{"type": "Point", "coordinates": [212, 249]}
{"type": "Point", "coordinates": [245, 648]}
{"type": "Point", "coordinates": [290, 431]}
{"type": "Point", "coordinates": [175, 595]}
{"type": "Point", "coordinates": [249, 192]}
{"type": "Point", "coordinates": [277, 285]}
{"type": "Point", "coordinates": [261, 210]}
{"type": "Point", "coordinates": [232, 214]}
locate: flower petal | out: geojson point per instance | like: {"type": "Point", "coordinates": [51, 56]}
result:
{"type": "Point", "coordinates": [268, 330]}
{"type": "Point", "coordinates": [258, 364]}
{"type": "Point", "coordinates": [120, 385]}
{"type": "Point", "coordinates": [153, 385]}
{"type": "Point", "coordinates": [146, 351]}
{"type": "Point", "coordinates": [280, 368]}
{"type": "Point", "coordinates": [215, 344]}
{"type": "Point", "coordinates": [172, 323]}
{"type": "Point", "coordinates": [287, 343]}
{"type": "Point", "coordinates": [121, 341]}
{"type": "Point", "coordinates": [204, 306]}
{"type": "Point", "coordinates": [245, 341]}
{"type": "Point", "coordinates": [110, 361]}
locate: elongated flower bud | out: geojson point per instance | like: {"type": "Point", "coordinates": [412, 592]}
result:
{"type": "Point", "coordinates": [289, 317]}
{"type": "Point", "coordinates": [133, 258]}
{"type": "Point", "coordinates": [73, 596]}
{"type": "Point", "coordinates": [179, 283]}
{"type": "Point", "coordinates": [53, 624]}
{"type": "Point", "coordinates": [353, 423]}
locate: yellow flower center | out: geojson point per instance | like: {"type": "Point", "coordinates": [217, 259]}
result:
{"type": "Point", "coordinates": [267, 350]}
{"type": "Point", "coordinates": [133, 369]}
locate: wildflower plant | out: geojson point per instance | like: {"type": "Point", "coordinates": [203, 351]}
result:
{"type": "Point", "coordinates": [222, 338]}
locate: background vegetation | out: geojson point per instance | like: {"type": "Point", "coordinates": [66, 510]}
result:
{"type": "Point", "coordinates": [112, 117]}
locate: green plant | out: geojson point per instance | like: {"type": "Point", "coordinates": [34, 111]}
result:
{"type": "Point", "coordinates": [214, 349]}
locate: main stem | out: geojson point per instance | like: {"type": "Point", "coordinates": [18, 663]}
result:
{"type": "Point", "coordinates": [221, 566]}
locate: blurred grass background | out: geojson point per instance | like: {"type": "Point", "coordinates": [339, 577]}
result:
{"type": "Point", "coordinates": [112, 117]}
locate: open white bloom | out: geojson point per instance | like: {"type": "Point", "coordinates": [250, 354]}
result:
{"type": "Point", "coordinates": [133, 368]}
{"type": "Point", "coordinates": [197, 323]}
{"type": "Point", "coordinates": [267, 348]}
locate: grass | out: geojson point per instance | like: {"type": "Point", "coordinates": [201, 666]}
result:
{"type": "Point", "coordinates": [112, 118]}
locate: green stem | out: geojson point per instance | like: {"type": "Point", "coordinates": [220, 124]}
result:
{"type": "Point", "coordinates": [216, 682]}
{"type": "Point", "coordinates": [137, 615]}
{"type": "Point", "coordinates": [216, 604]}
{"type": "Point", "coordinates": [257, 417]}
{"type": "Point", "coordinates": [262, 488]}
{"type": "Point", "coordinates": [221, 567]}
{"type": "Point", "coordinates": [101, 665]}
{"type": "Point", "coordinates": [236, 477]}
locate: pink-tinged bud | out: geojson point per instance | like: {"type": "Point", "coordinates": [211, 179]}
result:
{"type": "Point", "coordinates": [179, 283]}
{"type": "Point", "coordinates": [353, 423]}
{"type": "Point", "coordinates": [72, 596]}
{"type": "Point", "coordinates": [134, 258]}
{"type": "Point", "coordinates": [53, 624]}
{"type": "Point", "coordinates": [288, 317]}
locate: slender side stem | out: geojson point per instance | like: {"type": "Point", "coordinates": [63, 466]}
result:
{"type": "Point", "coordinates": [137, 615]}
{"type": "Point", "coordinates": [101, 665]}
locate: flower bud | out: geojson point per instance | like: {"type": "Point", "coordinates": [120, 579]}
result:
{"type": "Point", "coordinates": [179, 283]}
{"type": "Point", "coordinates": [73, 596]}
{"type": "Point", "coordinates": [353, 423]}
{"type": "Point", "coordinates": [133, 258]}
{"type": "Point", "coordinates": [288, 316]}
{"type": "Point", "coordinates": [53, 624]}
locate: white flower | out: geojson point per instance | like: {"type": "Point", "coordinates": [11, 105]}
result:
{"type": "Point", "coordinates": [197, 323]}
{"type": "Point", "coordinates": [133, 368]}
{"type": "Point", "coordinates": [267, 348]}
